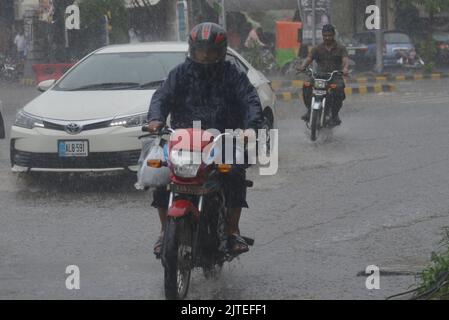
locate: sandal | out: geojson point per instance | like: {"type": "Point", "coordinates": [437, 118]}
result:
{"type": "Point", "coordinates": [157, 249]}
{"type": "Point", "coordinates": [238, 244]}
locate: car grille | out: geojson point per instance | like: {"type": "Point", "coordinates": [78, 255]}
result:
{"type": "Point", "coordinates": [91, 126]}
{"type": "Point", "coordinates": [95, 160]}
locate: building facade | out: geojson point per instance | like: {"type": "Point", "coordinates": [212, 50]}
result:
{"type": "Point", "coordinates": [349, 16]}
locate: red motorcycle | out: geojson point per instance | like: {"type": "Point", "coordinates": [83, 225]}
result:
{"type": "Point", "coordinates": [196, 234]}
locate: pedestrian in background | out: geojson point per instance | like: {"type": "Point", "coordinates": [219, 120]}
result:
{"type": "Point", "coordinates": [21, 45]}
{"type": "Point", "coordinates": [253, 39]}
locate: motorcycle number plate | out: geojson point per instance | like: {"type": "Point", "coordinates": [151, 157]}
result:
{"type": "Point", "coordinates": [351, 51]}
{"type": "Point", "coordinates": [319, 92]}
{"type": "Point", "coordinates": [187, 189]}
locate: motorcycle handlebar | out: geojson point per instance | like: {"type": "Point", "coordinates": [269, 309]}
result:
{"type": "Point", "coordinates": [310, 72]}
{"type": "Point", "coordinates": [160, 132]}
{"type": "Point", "coordinates": [167, 130]}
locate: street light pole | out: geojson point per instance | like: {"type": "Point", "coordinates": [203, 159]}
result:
{"type": "Point", "coordinates": [379, 41]}
{"type": "Point", "coordinates": [313, 23]}
{"type": "Point", "coordinates": [223, 12]}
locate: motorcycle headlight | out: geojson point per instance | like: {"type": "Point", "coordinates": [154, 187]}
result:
{"type": "Point", "coordinates": [27, 121]}
{"type": "Point", "coordinates": [185, 163]}
{"type": "Point", "coordinates": [320, 84]}
{"type": "Point", "coordinates": [136, 120]}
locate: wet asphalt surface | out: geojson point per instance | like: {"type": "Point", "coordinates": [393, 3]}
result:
{"type": "Point", "coordinates": [372, 192]}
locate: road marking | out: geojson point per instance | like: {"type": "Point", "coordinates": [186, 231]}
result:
{"type": "Point", "coordinates": [363, 90]}
{"type": "Point", "coordinates": [381, 78]}
{"type": "Point", "coordinates": [429, 100]}
{"type": "Point", "coordinates": [287, 96]}
{"type": "Point", "coordinates": [297, 83]}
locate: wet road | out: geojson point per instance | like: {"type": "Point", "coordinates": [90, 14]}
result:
{"type": "Point", "coordinates": [372, 192]}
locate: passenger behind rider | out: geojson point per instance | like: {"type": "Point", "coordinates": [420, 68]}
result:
{"type": "Point", "coordinates": [329, 56]}
{"type": "Point", "coordinates": [209, 89]}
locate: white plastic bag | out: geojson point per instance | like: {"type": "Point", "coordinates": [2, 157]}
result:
{"type": "Point", "coordinates": [148, 177]}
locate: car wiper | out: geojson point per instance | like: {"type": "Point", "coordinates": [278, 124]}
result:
{"type": "Point", "coordinates": [108, 85]}
{"type": "Point", "coordinates": [152, 84]}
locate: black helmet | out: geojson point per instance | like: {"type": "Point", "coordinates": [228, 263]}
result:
{"type": "Point", "coordinates": [210, 37]}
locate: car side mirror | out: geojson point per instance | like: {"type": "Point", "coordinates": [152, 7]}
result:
{"type": "Point", "coordinates": [45, 85]}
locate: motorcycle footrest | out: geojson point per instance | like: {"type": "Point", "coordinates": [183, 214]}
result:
{"type": "Point", "coordinates": [249, 241]}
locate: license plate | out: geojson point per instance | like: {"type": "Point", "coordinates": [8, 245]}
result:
{"type": "Point", "coordinates": [319, 92]}
{"type": "Point", "coordinates": [186, 189]}
{"type": "Point", "coordinates": [351, 52]}
{"type": "Point", "coordinates": [72, 148]}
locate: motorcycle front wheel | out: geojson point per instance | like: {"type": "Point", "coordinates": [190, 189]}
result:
{"type": "Point", "coordinates": [314, 119]}
{"type": "Point", "coordinates": [177, 257]}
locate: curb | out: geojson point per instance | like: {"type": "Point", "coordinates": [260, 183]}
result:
{"type": "Point", "coordinates": [28, 82]}
{"type": "Point", "coordinates": [277, 84]}
{"type": "Point", "coordinates": [378, 88]}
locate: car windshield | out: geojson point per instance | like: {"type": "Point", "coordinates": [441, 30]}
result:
{"type": "Point", "coordinates": [396, 38]}
{"type": "Point", "coordinates": [114, 71]}
{"type": "Point", "coordinates": [442, 37]}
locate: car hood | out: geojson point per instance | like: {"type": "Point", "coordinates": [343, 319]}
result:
{"type": "Point", "coordinates": [89, 105]}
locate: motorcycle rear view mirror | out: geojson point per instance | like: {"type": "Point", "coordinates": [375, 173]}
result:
{"type": "Point", "coordinates": [45, 85]}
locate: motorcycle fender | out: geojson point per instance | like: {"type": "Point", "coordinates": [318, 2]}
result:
{"type": "Point", "coordinates": [181, 208]}
{"type": "Point", "coordinates": [316, 105]}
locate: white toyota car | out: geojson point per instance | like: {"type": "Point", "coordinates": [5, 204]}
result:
{"type": "Point", "coordinates": [91, 118]}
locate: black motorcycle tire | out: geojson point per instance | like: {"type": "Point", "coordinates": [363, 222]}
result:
{"type": "Point", "coordinates": [8, 76]}
{"type": "Point", "coordinates": [176, 272]}
{"type": "Point", "coordinates": [315, 118]}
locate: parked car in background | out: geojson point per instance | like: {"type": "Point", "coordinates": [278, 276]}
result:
{"type": "Point", "coordinates": [91, 118]}
{"type": "Point", "coordinates": [393, 41]}
{"type": "Point", "coordinates": [442, 47]}
{"type": "Point", "coordinates": [357, 51]}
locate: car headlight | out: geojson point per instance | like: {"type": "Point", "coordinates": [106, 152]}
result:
{"type": "Point", "coordinates": [136, 120]}
{"type": "Point", "coordinates": [185, 163]}
{"type": "Point", "coordinates": [320, 84]}
{"type": "Point", "coordinates": [27, 121]}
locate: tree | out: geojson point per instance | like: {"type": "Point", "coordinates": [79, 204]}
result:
{"type": "Point", "coordinates": [149, 19]}
{"type": "Point", "coordinates": [93, 13]}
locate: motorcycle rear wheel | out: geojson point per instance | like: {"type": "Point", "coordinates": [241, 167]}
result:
{"type": "Point", "coordinates": [177, 257]}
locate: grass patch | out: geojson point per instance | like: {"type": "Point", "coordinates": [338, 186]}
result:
{"type": "Point", "coordinates": [434, 280]}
